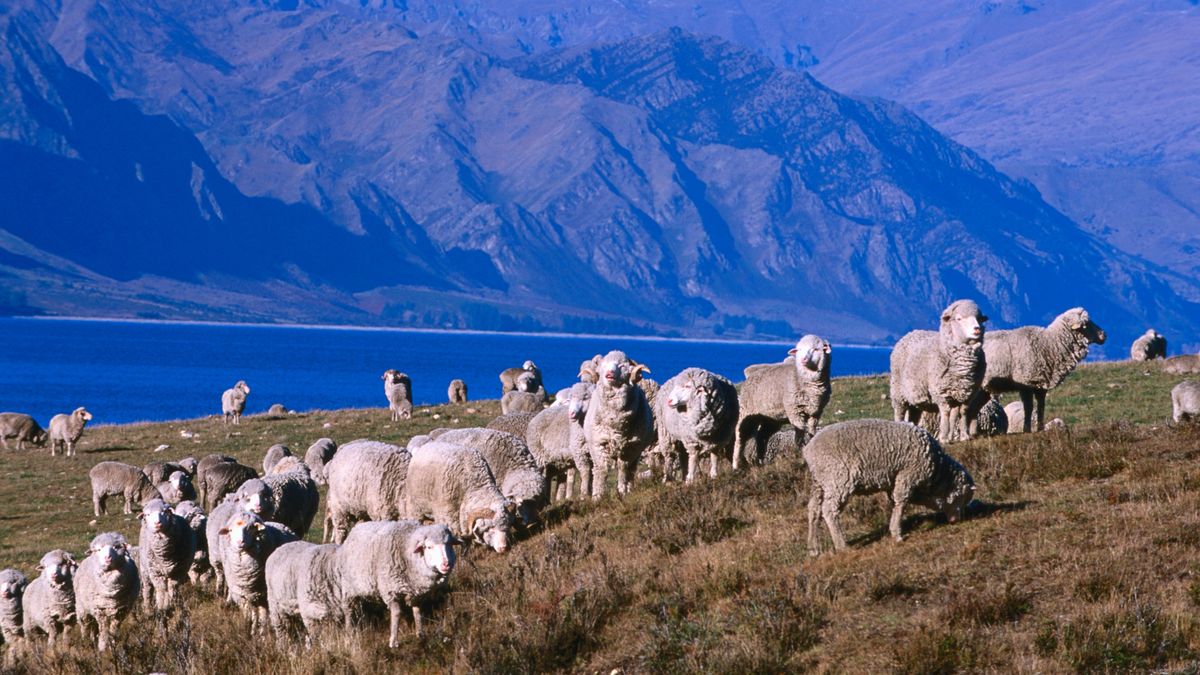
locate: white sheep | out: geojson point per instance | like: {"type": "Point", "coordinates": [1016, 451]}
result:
{"type": "Point", "coordinates": [117, 478]}
{"type": "Point", "coordinates": [246, 542]}
{"type": "Point", "coordinates": [1032, 360]}
{"type": "Point", "coordinates": [941, 371]}
{"type": "Point", "coordinates": [366, 482]}
{"type": "Point", "coordinates": [274, 454]}
{"type": "Point", "coordinates": [65, 430]}
{"type": "Point", "coordinates": [12, 590]}
{"type": "Point", "coordinates": [196, 519]}
{"type": "Point", "coordinates": [619, 425]}
{"type": "Point", "coordinates": [529, 396]}
{"type": "Point", "coordinates": [556, 440]}
{"type": "Point", "coordinates": [1185, 401]}
{"type": "Point", "coordinates": [867, 456]}
{"type": "Point", "coordinates": [166, 551]}
{"type": "Point", "coordinates": [397, 387]}
{"type": "Point", "coordinates": [795, 391]}
{"type": "Point", "coordinates": [253, 496]}
{"type": "Point", "coordinates": [107, 585]}
{"type": "Point", "coordinates": [1184, 364]}
{"type": "Point", "coordinates": [513, 467]}
{"type": "Point", "coordinates": [233, 402]}
{"type": "Point", "coordinates": [177, 488]}
{"type": "Point", "coordinates": [317, 456]}
{"type": "Point", "coordinates": [294, 493]}
{"type": "Point", "coordinates": [452, 485]}
{"type": "Point", "coordinates": [395, 563]}
{"type": "Point", "coordinates": [49, 603]}
{"type": "Point", "coordinates": [22, 428]}
{"type": "Point", "coordinates": [508, 377]}
{"type": "Point", "coordinates": [1149, 346]}
{"type": "Point", "coordinates": [697, 415]}
{"type": "Point", "coordinates": [457, 391]}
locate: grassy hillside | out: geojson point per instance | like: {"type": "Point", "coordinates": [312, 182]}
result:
{"type": "Point", "coordinates": [1079, 555]}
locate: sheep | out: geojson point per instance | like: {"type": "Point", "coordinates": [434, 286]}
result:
{"type": "Point", "coordinates": [515, 423]}
{"type": "Point", "coordinates": [159, 472]}
{"type": "Point", "coordinates": [394, 562]}
{"type": "Point", "coordinates": [366, 482]}
{"type": "Point", "coordinates": [697, 414]}
{"type": "Point", "coordinates": [202, 467]}
{"type": "Point", "coordinates": [274, 454]}
{"type": "Point", "coordinates": [529, 396]}
{"type": "Point", "coordinates": [397, 387]}
{"type": "Point", "coordinates": [1184, 364]}
{"type": "Point", "coordinates": [233, 402]}
{"type": "Point", "coordinates": [1185, 401]}
{"type": "Point", "coordinates": [794, 391]}
{"type": "Point", "coordinates": [514, 469]}
{"type": "Point", "coordinates": [190, 465]}
{"type": "Point", "coordinates": [48, 605]}
{"type": "Point", "coordinates": [867, 456]}
{"type": "Point", "coordinates": [246, 542]}
{"type": "Point", "coordinates": [1032, 360]}
{"type": "Point", "coordinates": [619, 424]}
{"type": "Point", "coordinates": [166, 551]}
{"type": "Point", "coordinates": [253, 496]}
{"type": "Point", "coordinates": [991, 420]}
{"type": "Point", "coordinates": [556, 440]}
{"type": "Point", "coordinates": [23, 428]}
{"type": "Point", "coordinates": [941, 371]}
{"type": "Point", "coordinates": [589, 370]}
{"type": "Point", "coordinates": [417, 441]}
{"type": "Point", "coordinates": [196, 519]}
{"type": "Point", "coordinates": [457, 391]}
{"type": "Point", "coordinates": [1149, 346]}
{"type": "Point", "coordinates": [509, 376]}
{"type": "Point", "coordinates": [452, 485]}
{"type": "Point", "coordinates": [294, 493]}
{"type": "Point", "coordinates": [317, 456]}
{"type": "Point", "coordinates": [278, 410]}
{"type": "Point", "coordinates": [65, 430]}
{"type": "Point", "coordinates": [221, 479]}
{"type": "Point", "coordinates": [116, 478]}
{"type": "Point", "coordinates": [177, 488]}
{"type": "Point", "coordinates": [107, 585]}
{"type": "Point", "coordinates": [12, 590]}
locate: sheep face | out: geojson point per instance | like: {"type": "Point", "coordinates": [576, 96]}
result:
{"type": "Point", "coordinates": [111, 551]}
{"type": "Point", "coordinates": [812, 353]}
{"type": "Point", "coordinates": [255, 497]}
{"type": "Point", "coordinates": [189, 465]}
{"type": "Point", "coordinates": [437, 551]}
{"type": "Point", "coordinates": [963, 321]}
{"type": "Point", "coordinates": [577, 405]}
{"type": "Point", "coordinates": [245, 532]}
{"type": "Point", "coordinates": [179, 480]}
{"type": "Point", "coordinates": [57, 567]}
{"type": "Point", "coordinates": [616, 370]}
{"type": "Point", "coordinates": [12, 586]}
{"type": "Point", "coordinates": [529, 365]}
{"type": "Point", "coordinates": [492, 529]}
{"type": "Point", "coordinates": [1078, 321]}
{"type": "Point", "coordinates": [952, 492]}
{"type": "Point", "coordinates": [156, 514]}
{"type": "Point", "coordinates": [527, 381]}
{"type": "Point", "coordinates": [241, 384]}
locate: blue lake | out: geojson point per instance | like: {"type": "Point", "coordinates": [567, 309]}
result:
{"type": "Point", "coordinates": [135, 371]}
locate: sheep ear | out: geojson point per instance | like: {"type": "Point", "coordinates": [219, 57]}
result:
{"type": "Point", "coordinates": [419, 548]}
{"type": "Point", "coordinates": [223, 530]}
{"type": "Point", "coordinates": [983, 318]}
{"type": "Point", "coordinates": [792, 351]}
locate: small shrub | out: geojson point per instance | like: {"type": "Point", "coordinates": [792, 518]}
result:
{"type": "Point", "coordinates": [934, 651]}
{"type": "Point", "coordinates": [988, 607]}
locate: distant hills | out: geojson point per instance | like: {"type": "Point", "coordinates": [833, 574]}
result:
{"type": "Point", "coordinates": [359, 165]}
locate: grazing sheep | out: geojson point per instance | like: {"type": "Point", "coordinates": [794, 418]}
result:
{"type": "Point", "coordinates": [12, 590]}
{"type": "Point", "coordinates": [49, 603]}
{"type": "Point", "coordinates": [23, 428]}
{"type": "Point", "coordinates": [516, 423]}
{"type": "Point", "coordinates": [1031, 360]}
{"type": "Point", "coordinates": [1185, 401]}
{"type": "Point", "coordinates": [1151, 345]}
{"type": "Point", "coordinates": [794, 391]}
{"type": "Point", "coordinates": [697, 415]}
{"type": "Point", "coordinates": [65, 430]}
{"type": "Point", "coordinates": [514, 469]}
{"type": "Point", "coordinates": [867, 456]}
{"type": "Point", "coordinates": [294, 493]}
{"type": "Point", "coordinates": [166, 551]}
{"type": "Point", "coordinates": [221, 479]}
{"type": "Point", "coordinates": [177, 488]}
{"type": "Point", "coordinates": [452, 485]}
{"type": "Point", "coordinates": [394, 562]}
{"type": "Point", "coordinates": [159, 472]}
{"type": "Point", "coordinates": [253, 496]}
{"type": "Point", "coordinates": [397, 387]}
{"type": "Point", "coordinates": [784, 442]}
{"type": "Point", "coordinates": [107, 586]}
{"type": "Point", "coordinates": [116, 478]}
{"type": "Point", "coordinates": [366, 482]}
{"type": "Point", "coordinates": [527, 397]}
{"type": "Point", "coordinates": [317, 456]}
{"type": "Point", "coordinates": [556, 440]}
{"type": "Point", "coordinates": [274, 454]}
{"type": "Point", "coordinates": [196, 519]}
{"type": "Point", "coordinates": [233, 402]}
{"type": "Point", "coordinates": [509, 376]}
{"type": "Point", "coordinates": [1185, 364]}
{"type": "Point", "coordinates": [457, 391]}
{"type": "Point", "coordinates": [245, 544]}
{"type": "Point", "coordinates": [941, 371]}
{"type": "Point", "coordinates": [619, 424]}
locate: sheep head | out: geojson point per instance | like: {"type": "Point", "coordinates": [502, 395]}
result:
{"type": "Point", "coordinates": [241, 384]}
{"type": "Point", "coordinates": [12, 584]}
{"type": "Point", "coordinates": [527, 381]}
{"type": "Point", "coordinates": [952, 490]}
{"type": "Point", "coordinates": [111, 550]}
{"type": "Point", "coordinates": [179, 480]}
{"type": "Point", "coordinates": [580, 397]}
{"type": "Point", "coordinates": [529, 365]}
{"type": "Point", "coordinates": [245, 531]}
{"type": "Point", "coordinates": [434, 545]}
{"type": "Point", "coordinates": [616, 370]}
{"type": "Point", "coordinates": [491, 527]}
{"type": "Point", "coordinates": [812, 354]}
{"type": "Point", "coordinates": [1078, 321]}
{"type": "Point", "coordinates": [156, 514]}
{"type": "Point", "coordinates": [255, 497]}
{"type": "Point", "coordinates": [57, 567]}
{"type": "Point", "coordinates": [962, 323]}
{"type": "Point", "coordinates": [81, 413]}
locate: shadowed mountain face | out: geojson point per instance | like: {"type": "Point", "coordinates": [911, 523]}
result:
{"type": "Point", "coordinates": [347, 168]}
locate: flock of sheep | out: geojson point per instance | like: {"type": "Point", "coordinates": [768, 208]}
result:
{"type": "Point", "coordinates": [394, 515]}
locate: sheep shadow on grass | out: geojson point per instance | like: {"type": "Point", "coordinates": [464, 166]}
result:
{"type": "Point", "coordinates": [914, 523]}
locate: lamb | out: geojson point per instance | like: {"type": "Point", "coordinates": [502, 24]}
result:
{"type": "Point", "coordinates": [1151, 345]}
{"type": "Point", "coordinates": [941, 372]}
{"type": "Point", "coordinates": [12, 590]}
{"type": "Point", "coordinates": [457, 391]}
{"type": "Point", "coordinates": [274, 454]}
{"type": "Point", "coordinates": [245, 544]}
{"type": "Point", "coordinates": [317, 456]}
{"type": "Point", "coordinates": [221, 479]}
{"type": "Point", "coordinates": [867, 456]}
{"type": "Point", "coordinates": [253, 496]}
{"type": "Point", "coordinates": [197, 520]}
{"type": "Point", "coordinates": [49, 602]}
{"type": "Point", "coordinates": [619, 424]}
{"type": "Point", "coordinates": [233, 402]}
{"type": "Point", "coordinates": [1184, 364]}
{"type": "Point", "coordinates": [509, 376]}
{"type": "Point", "coordinates": [529, 396]}
{"type": "Point", "coordinates": [1031, 360]}
{"type": "Point", "coordinates": [452, 485]}
{"type": "Point", "coordinates": [514, 469]}
{"type": "Point", "coordinates": [177, 488]}
{"type": "Point", "coordinates": [116, 478]}
{"type": "Point", "coordinates": [398, 388]}
{"type": "Point", "coordinates": [556, 439]}
{"type": "Point", "coordinates": [389, 561]}
{"type": "Point", "coordinates": [515, 423]}
{"type": "Point", "coordinates": [697, 414]}
{"type": "Point", "coordinates": [1185, 401]}
{"type": "Point", "coordinates": [366, 482]}
{"type": "Point", "coordinates": [107, 586]}
{"type": "Point", "coordinates": [65, 430]}
{"type": "Point", "coordinates": [794, 391]}
{"type": "Point", "coordinates": [166, 551]}
{"type": "Point", "coordinates": [23, 428]}
{"type": "Point", "coordinates": [294, 493]}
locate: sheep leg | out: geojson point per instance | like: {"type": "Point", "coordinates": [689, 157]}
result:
{"type": "Point", "coordinates": [693, 458]}
{"type": "Point", "coordinates": [1040, 414]}
{"type": "Point", "coordinates": [128, 503]}
{"type": "Point", "coordinates": [599, 477]}
{"type": "Point", "coordinates": [898, 504]}
{"type": "Point", "coordinates": [570, 484]}
{"type": "Point", "coordinates": [831, 508]}
{"type": "Point", "coordinates": [944, 430]}
{"type": "Point", "coordinates": [147, 593]}
{"type": "Point", "coordinates": [417, 627]}
{"type": "Point", "coordinates": [739, 438]}
{"type": "Point", "coordinates": [712, 469]}
{"type": "Point", "coordinates": [622, 485]}
{"type": "Point", "coordinates": [105, 630]}
{"type": "Point", "coordinates": [394, 610]}
{"type": "Point", "coordinates": [98, 504]}
{"type": "Point", "coordinates": [70, 449]}
{"type": "Point", "coordinates": [814, 515]}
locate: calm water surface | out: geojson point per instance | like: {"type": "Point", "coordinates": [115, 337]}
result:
{"type": "Point", "coordinates": [135, 371]}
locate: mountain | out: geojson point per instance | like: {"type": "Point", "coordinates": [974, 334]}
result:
{"type": "Point", "coordinates": [344, 164]}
